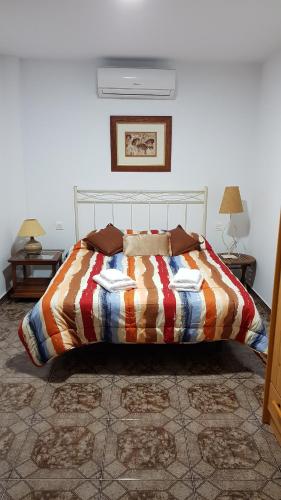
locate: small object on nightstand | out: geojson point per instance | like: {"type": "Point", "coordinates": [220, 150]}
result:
{"type": "Point", "coordinates": [229, 256]}
{"type": "Point", "coordinates": [31, 228]}
{"type": "Point", "coordinates": [32, 287]}
{"type": "Point", "coordinates": [240, 261]}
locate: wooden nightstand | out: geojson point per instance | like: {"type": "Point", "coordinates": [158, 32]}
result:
{"type": "Point", "coordinates": [32, 287]}
{"type": "Point", "coordinates": [242, 262]}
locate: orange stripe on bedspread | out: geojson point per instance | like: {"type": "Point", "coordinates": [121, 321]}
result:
{"type": "Point", "coordinates": [209, 328]}
{"type": "Point", "coordinates": [232, 305]}
{"type": "Point", "coordinates": [51, 325]}
{"type": "Point", "coordinates": [129, 299]}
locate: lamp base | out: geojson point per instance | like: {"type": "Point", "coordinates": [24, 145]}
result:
{"type": "Point", "coordinates": [33, 247]}
{"type": "Point", "coordinates": [230, 247]}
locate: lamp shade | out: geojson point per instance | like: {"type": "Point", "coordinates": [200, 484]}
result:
{"type": "Point", "coordinates": [231, 202]}
{"type": "Point", "coordinates": [31, 227]}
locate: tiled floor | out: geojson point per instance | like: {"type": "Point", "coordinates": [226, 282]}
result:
{"type": "Point", "coordinates": [134, 423]}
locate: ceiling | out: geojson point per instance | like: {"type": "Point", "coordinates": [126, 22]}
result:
{"type": "Point", "coordinates": [194, 30]}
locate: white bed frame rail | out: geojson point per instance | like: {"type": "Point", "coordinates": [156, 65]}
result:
{"type": "Point", "coordinates": [166, 198]}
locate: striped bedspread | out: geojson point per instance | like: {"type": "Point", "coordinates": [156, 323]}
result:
{"type": "Point", "coordinates": [75, 310]}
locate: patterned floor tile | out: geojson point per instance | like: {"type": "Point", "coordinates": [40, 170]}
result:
{"type": "Point", "coordinates": [88, 361]}
{"type": "Point", "coordinates": [272, 489]}
{"type": "Point", "coordinates": [14, 362]}
{"type": "Point", "coordinates": [147, 490]}
{"type": "Point", "coordinates": [13, 432]}
{"type": "Point", "coordinates": [63, 446]}
{"type": "Point", "coordinates": [254, 388]}
{"type": "Point", "coordinates": [144, 360]}
{"type": "Point", "coordinates": [221, 398]}
{"type": "Point", "coordinates": [208, 492]}
{"type": "Point", "coordinates": [13, 311]}
{"type": "Point", "coordinates": [230, 454]}
{"type": "Point", "coordinates": [151, 447]}
{"type": "Point", "coordinates": [227, 359]}
{"type": "Point", "coordinates": [52, 489]}
{"type": "Point", "coordinates": [21, 398]}
{"type": "Point", "coordinates": [274, 446]}
{"type": "Point", "coordinates": [134, 422]}
{"type": "Point", "coordinates": [2, 489]}
{"type": "Point", "coordinates": [136, 397]}
{"type": "Point", "coordinates": [13, 358]}
{"type": "Point", "coordinates": [203, 360]}
{"type": "Point", "coordinates": [8, 336]}
{"type": "Point", "coordinates": [243, 361]}
{"type": "Point", "coordinates": [77, 396]}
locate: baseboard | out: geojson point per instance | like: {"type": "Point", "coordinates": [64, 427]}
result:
{"type": "Point", "coordinates": [262, 356]}
{"type": "Point", "coordinates": [262, 299]}
{"type": "Point", "coordinates": [4, 297]}
{"type": "Point", "coordinates": [255, 294]}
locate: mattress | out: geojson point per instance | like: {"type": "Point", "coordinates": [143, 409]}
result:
{"type": "Point", "coordinates": [75, 310]}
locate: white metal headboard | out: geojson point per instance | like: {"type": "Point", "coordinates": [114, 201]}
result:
{"type": "Point", "coordinates": [185, 198]}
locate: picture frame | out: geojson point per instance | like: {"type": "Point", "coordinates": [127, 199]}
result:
{"type": "Point", "coordinates": [141, 143]}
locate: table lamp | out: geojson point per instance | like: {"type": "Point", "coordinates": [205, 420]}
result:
{"type": "Point", "coordinates": [31, 227]}
{"type": "Point", "coordinates": [231, 204]}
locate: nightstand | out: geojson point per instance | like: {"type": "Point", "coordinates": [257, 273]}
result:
{"type": "Point", "coordinates": [242, 262]}
{"type": "Point", "coordinates": [33, 287]}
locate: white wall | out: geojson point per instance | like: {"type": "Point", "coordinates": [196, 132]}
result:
{"type": "Point", "coordinates": [67, 142]}
{"type": "Point", "coordinates": [49, 110]}
{"type": "Point", "coordinates": [12, 185]}
{"type": "Point", "coordinates": [266, 179]}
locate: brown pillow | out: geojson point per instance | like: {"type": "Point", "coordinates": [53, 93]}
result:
{"type": "Point", "coordinates": [108, 241]}
{"type": "Point", "coordinates": [182, 242]}
{"type": "Point", "coordinates": [147, 244]}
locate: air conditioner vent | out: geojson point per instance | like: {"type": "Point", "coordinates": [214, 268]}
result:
{"type": "Point", "coordinates": [128, 83]}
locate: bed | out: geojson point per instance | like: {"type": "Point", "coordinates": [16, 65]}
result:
{"type": "Point", "coordinates": [75, 310]}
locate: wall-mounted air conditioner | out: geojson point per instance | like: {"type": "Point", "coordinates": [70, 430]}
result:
{"type": "Point", "coordinates": [131, 83]}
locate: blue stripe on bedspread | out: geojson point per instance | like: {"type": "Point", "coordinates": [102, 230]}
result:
{"type": "Point", "coordinates": [110, 303]}
{"type": "Point", "coordinates": [191, 306]}
{"type": "Point", "coordinates": [35, 323]}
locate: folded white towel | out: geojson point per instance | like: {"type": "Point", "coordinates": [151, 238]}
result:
{"type": "Point", "coordinates": [114, 287]}
{"type": "Point", "coordinates": [186, 275]}
{"type": "Point", "coordinates": [113, 275]}
{"type": "Point", "coordinates": [186, 287]}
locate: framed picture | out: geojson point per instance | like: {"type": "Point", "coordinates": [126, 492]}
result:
{"type": "Point", "coordinates": [141, 143]}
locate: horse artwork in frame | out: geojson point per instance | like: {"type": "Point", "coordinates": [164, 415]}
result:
{"type": "Point", "coordinates": [141, 143]}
